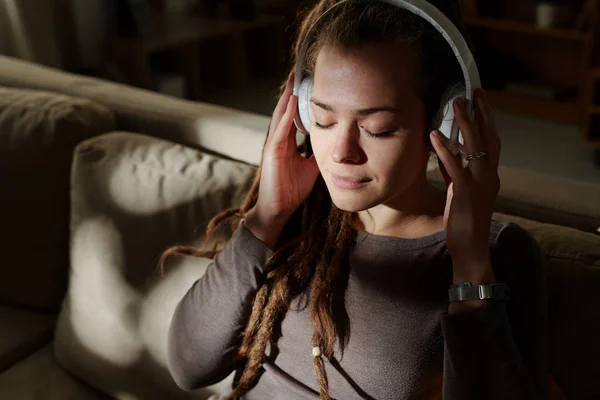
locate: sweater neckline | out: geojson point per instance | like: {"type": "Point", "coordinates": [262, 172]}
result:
{"type": "Point", "coordinates": [400, 243]}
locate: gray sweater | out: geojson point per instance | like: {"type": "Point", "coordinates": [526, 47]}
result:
{"type": "Point", "coordinates": [400, 333]}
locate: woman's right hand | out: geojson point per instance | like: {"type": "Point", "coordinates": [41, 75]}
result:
{"type": "Point", "coordinates": [286, 177]}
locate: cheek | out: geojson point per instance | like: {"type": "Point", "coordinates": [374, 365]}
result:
{"type": "Point", "coordinates": [319, 147]}
{"type": "Point", "coordinates": [402, 164]}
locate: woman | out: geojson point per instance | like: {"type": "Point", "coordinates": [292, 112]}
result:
{"type": "Point", "coordinates": [337, 287]}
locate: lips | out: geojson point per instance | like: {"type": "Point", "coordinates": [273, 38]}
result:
{"type": "Point", "coordinates": [348, 182]}
{"type": "Point", "coordinates": [350, 179]}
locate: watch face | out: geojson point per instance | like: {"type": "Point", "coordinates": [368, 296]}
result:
{"type": "Point", "coordinates": [500, 292]}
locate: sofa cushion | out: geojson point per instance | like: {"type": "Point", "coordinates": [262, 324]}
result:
{"type": "Point", "coordinates": [39, 377]}
{"type": "Point", "coordinates": [38, 132]}
{"type": "Point", "coordinates": [544, 198]}
{"type": "Point", "coordinates": [134, 196]}
{"type": "Point", "coordinates": [573, 274]}
{"type": "Point", "coordinates": [29, 331]}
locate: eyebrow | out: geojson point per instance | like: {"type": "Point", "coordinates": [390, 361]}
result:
{"type": "Point", "coordinates": [362, 112]}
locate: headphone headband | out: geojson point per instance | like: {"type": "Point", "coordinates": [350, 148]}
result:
{"type": "Point", "coordinates": [424, 10]}
{"type": "Point", "coordinates": [428, 12]}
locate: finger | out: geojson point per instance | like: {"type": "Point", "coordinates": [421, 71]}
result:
{"type": "Point", "coordinates": [466, 126]}
{"type": "Point", "coordinates": [450, 145]}
{"type": "Point", "coordinates": [472, 138]}
{"type": "Point", "coordinates": [452, 165]}
{"type": "Point", "coordinates": [458, 156]}
{"type": "Point", "coordinates": [282, 104]}
{"type": "Point", "coordinates": [487, 129]}
{"type": "Point", "coordinates": [444, 172]}
{"type": "Point", "coordinates": [283, 138]}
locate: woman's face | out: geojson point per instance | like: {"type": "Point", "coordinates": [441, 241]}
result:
{"type": "Point", "coordinates": [368, 123]}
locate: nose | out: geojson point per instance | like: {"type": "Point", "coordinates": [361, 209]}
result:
{"type": "Point", "coordinates": [345, 148]}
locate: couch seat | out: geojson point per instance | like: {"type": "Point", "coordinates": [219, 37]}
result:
{"type": "Point", "coordinates": [23, 332]}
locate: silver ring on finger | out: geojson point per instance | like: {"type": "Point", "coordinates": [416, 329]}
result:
{"type": "Point", "coordinates": [476, 156]}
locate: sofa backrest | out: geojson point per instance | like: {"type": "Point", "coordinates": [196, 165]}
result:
{"type": "Point", "coordinates": [230, 133]}
{"type": "Point", "coordinates": [38, 132]}
{"type": "Point", "coordinates": [544, 198]}
{"type": "Point", "coordinates": [573, 277]}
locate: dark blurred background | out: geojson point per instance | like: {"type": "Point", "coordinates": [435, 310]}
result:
{"type": "Point", "coordinates": [538, 60]}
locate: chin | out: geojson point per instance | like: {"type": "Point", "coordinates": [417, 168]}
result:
{"type": "Point", "coordinates": [351, 201]}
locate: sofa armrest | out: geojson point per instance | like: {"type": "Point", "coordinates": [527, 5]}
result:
{"type": "Point", "coordinates": [231, 133]}
{"type": "Point", "coordinates": [133, 196]}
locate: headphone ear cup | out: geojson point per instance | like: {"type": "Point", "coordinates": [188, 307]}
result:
{"type": "Point", "coordinates": [304, 95]}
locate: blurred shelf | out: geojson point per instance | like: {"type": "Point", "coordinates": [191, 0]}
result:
{"type": "Point", "coordinates": [171, 30]}
{"type": "Point", "coordinates": [564, 112]}
{"type": "Point", "coordinates": [192, 44]}
{"type": "Point", "coordinates": [527, 28]}
{"type": "Point", "coordinates": [554, 57]}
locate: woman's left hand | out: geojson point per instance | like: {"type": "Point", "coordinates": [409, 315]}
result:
{"type": "Point", "coordinates": [472, 190]}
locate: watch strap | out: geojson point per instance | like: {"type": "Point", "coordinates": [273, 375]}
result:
{"type": "Point", "coordinates": [467, 291]}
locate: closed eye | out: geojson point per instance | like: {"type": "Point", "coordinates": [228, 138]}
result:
{"type": "Point", "coordinates": [319, 126]}
{"type": "Point", "coordinates": [370, 134]}
{"type": "Point", "coordinates": [379, 134]}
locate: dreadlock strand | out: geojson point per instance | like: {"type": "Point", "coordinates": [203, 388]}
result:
{"type": "Point", "coordinates": [277, 303]}
{"type": "Point", "coordinates": [321, 376]}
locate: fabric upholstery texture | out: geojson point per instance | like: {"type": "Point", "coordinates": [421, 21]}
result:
{"type": "Point", "coordinates": [232, 133]}
{"type": "Point", "coordinates": [133, 197]}
{"type": "Point", "coordinates": [544, 198]}
{"type": "Point", "coordinates": [29, 331]}
{"type": "Point", "coordinates": [38, 132]}
{"type": "Point", "coordinates": [39, 377]}
{"type": "Point", "coordinates": [573, 270]}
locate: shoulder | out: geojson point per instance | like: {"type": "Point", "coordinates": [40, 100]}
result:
{"type": "Point", "coordinates": [516, 256]}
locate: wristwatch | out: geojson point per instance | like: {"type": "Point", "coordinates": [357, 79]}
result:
{"type": "Point", "coordinates": [466, 291]}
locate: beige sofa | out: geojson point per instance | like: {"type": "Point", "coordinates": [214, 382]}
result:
{"type": "Point", "coordinates": [98, 178]}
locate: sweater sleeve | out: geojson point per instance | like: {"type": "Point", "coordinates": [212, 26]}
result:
{"type": "Point", "coordinates": [208, 323]}
{"type": "Point", "coordinates": [499, 350]}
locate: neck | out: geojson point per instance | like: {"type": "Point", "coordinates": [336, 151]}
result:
{"type": "Point", "coordinates": [416, 212]}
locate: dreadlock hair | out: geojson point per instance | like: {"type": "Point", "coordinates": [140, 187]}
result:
{"type": "Point", "coordinates": [311, 253]}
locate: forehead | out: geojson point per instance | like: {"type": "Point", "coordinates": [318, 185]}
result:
{"type": "Point", "coordinates": [382, 70]}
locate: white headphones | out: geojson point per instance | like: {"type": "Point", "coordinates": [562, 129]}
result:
{"type": "Point", "coordinates": [303, 85]}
